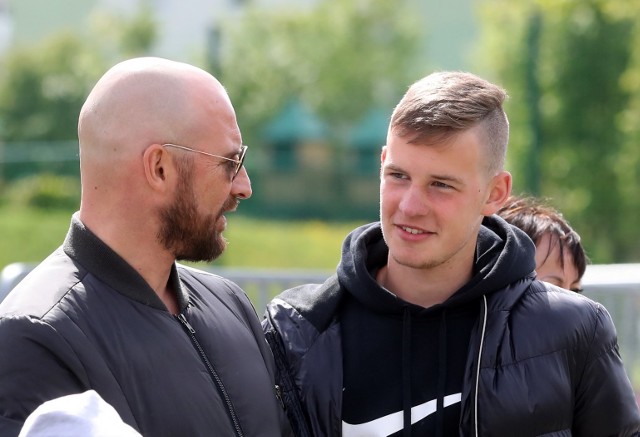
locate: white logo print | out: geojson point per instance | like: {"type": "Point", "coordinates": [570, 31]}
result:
{"type": "Point", "coordinates": [392, 423]}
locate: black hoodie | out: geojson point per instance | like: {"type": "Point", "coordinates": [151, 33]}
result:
{"type": "Point", "coordinates": [539, 361]}
{"type": "Point", "coordinates": [397, 355]}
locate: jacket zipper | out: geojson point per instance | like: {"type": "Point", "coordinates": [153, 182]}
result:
{"type": "Point", "coordinates": [214, 375]}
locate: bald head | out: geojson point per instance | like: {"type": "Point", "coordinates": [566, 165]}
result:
{"type": "Point", "coordinates": [137, 103]}
{"type": "Point", "coordinates": [137, 106]}
{"type": "Point", "coordinates": [130, 179]}
{"type": "Point", "coordinates": [146, 100]}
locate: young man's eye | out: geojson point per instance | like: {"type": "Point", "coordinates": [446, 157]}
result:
{"type": "Point", "coordinates": [441, 185]}
{"type": "Point", "coordinates": [397, 175]}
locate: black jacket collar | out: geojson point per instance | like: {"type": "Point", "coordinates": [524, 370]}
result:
{"type": "Point", "coordinates": [85, 248]}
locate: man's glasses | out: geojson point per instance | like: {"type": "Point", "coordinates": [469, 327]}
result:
{"type": "Point", "coordinates": [238, 162]}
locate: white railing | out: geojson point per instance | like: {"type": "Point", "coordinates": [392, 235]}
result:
{"type": "Point", "coordinates": [616, 286]}
{"type": "Point", "coordinates": [260, 285]}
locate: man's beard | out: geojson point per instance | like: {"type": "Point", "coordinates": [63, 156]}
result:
{"type": "Point", "coordinates": [189, 235]}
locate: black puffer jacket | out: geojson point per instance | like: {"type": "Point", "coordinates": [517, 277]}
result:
{"type": "Point", "coordinates": [85, 319]}
{"type": "Point", "coordinates": [540, 360]}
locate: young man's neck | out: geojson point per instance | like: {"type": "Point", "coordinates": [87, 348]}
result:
{"type": "Point", "coordinates": [422, 287]}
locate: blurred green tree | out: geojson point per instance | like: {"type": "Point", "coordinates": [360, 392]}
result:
{"type": "Point", "coordinates": [571, 69]}
{"type": "Point", "coordinates": [339, 58]}
{"type": "Point", "coordinates": [129, 36]}
{"type": "Point", "coordinates": [42, 87]}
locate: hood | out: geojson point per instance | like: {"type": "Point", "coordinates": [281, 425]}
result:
{"type": "Point", "coordinates": [504, 254]}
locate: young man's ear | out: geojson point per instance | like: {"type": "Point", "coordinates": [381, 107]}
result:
{"type": "Point", "coordinates": [383, 155]}
{"type": "Point", "coordinates": [500, 192]}
{"type": "Point", "coordinates": [156, 162]}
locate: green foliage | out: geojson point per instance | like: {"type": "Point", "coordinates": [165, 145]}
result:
{"type": "Point", "coordinates": [130, 36]}
{"type": "Point", "coordinates": [45, 191]}
{"type": "Point", "coordinates": [575, 89]}
{"type": "Point", "coordinates": [581, 127]}
{"type": "Point", "coordinates": [42, 88]}
{"type": "Point", "coordinates": [339, 58]}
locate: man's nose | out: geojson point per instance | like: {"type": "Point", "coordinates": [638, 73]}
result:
{"type": "Point", "coordinates": [241, 188]}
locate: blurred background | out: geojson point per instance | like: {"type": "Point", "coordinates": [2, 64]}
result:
{"type": "Point", "coordinates": [314, 83]}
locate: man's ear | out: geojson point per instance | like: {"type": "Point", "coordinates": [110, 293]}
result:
{"type": "Point", "coordinates": [156, 162]}
{"type": "Point", "coordinates": [383, 155]}
{"type": "Point", "coordinates": [500, 192]}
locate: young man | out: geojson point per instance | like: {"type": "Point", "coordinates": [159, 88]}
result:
{"type": "Point", "coordinates": [434, 323]}
{"type": "Point", "coordinates": [560, 257]}
{"type": "Point", "coordinates": [174, 350]}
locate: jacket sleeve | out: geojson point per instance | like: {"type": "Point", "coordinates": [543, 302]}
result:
{"type": "Point", "coordinates": [605, 403]}
{"type": "Point", "coordinates": [252, 319]}
{"type": "Point", "coordinates": [36, 365]}
{"type": "Point", "coordinates": [284, 380]}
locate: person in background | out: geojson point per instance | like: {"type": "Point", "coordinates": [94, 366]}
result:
{"type": "Point", "coordinates": [174, 350]}
{"type": "Point", "coordinates": [560, 257]}
{"type": "Point", "coordinates": [434, 323]}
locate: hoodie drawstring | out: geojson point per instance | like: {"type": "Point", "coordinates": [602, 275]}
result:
{"type": "Point", "coordinates": [442, 374]}
{"type": "Point", "coordinates": [406, 371]}
{"type": "Point", "coordinates": [484, 329]}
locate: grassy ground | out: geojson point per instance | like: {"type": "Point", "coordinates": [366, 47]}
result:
{"type": "Point", "coordinates": [278, 244]}
{"type": "Point", "coordinates": [29, 235]}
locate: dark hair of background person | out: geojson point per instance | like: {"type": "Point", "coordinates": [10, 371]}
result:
{"type": "Point", "coordinates": [537, 218]}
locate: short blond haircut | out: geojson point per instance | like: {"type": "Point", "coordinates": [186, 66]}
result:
{"type": "Point", "coordinates": [443, 104]}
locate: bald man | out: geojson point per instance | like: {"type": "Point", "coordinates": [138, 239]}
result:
{"type": "Point", "coordinates": [176, 351]}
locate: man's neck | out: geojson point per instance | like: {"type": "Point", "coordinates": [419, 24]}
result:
{"type": "Point", "coordinates": [137, 245]}
{"type": "Point", "coordinates": [423, 287]}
